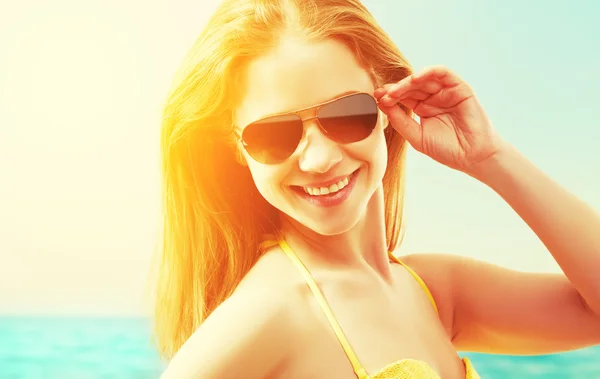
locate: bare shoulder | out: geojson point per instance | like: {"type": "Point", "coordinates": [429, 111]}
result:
{"type": "Point", "coordinates": [434, 268]}
{"type": "Point", "coordinates": [248, 335]}
{"type": "Point", "coordinates": [501, 310]}
{"type": "Point", "coordinates": [437, 271]}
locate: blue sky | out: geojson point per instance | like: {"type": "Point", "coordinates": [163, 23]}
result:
{"type": "Point", "coordinates": [81, 85]}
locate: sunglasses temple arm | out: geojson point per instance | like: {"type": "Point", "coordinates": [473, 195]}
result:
{"type": "Point", "coordinates": [238, 136]}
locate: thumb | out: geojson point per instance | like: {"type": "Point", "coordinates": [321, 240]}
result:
{"type": "Point", "coordinates": [404, 124]}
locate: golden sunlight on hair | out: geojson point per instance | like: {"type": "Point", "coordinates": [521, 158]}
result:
{"type": "Point", "coordinates": [214, 217]}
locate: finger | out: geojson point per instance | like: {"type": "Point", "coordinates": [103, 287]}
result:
{"type": "Point", "coordinates": [420, 108]}
{"type": "Point", "coordinates": [404, 85]}
{"type": "Point", "coordinates": [441, 74]}
{"type": "Point", "coordinates": [410, 103]}
{"type": "Point", "coordinates": [389, 100]}
{"type": "Point", "coordinates": [447, 98]}
{"type": "Point", "coordinates": [425, 110]}
{"type": "Point", "coordinates": [430, 87]}
{"type": "Point", "coordinates": [404, 124]}
{"type": "Point", "coordinates": [379, 92]}
{"type": "Point", "coordinates": [431, 80]}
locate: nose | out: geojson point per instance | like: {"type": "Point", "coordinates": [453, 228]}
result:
{"type": "Point", "coordinates": [318, 153]}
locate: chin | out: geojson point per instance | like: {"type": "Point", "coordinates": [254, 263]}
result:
{"type": "Point", "coordinates": [334, 225]}
{"type": "Point", "coordinates": [332, 220]}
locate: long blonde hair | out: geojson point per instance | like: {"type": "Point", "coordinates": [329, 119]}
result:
{"type": "Point", "coordinates": [214, 217]}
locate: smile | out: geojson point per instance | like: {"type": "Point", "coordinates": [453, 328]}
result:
{"type": "Point", "coordinates": [319, 191]}
{"type": "Point", "coordinates": [328, 194]}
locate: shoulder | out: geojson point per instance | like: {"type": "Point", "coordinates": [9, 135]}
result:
{"type": "Point", "coordinates": [460, 285]}
{"type": "Point", "coordinates": [438, 272]}
{"type": "Point", "coordinates": [449, 275]}
{"type": "Point", "coordinates": [248, 335]}
{"type": "Point", "coordinates": [496, 309]}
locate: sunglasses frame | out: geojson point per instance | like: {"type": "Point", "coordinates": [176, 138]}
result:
{"type": "Point", "coordinates": [316, 111]}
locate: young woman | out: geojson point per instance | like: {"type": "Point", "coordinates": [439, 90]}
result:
{"type": "Point", "coordinates": [284, 142]}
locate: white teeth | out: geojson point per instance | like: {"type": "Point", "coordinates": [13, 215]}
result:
{"type": "Point", "coordinates": [314, 191]}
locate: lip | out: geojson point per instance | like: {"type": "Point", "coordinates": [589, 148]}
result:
{"type": "Point", "coordinates": [327, 183]}
{"type": "Point", "coordinates": [331, 200]}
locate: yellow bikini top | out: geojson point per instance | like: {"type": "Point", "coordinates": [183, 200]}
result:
{"type": "Point", "coordinates": [401, 369]}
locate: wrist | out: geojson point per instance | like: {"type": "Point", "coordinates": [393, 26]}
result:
{"type": "Point", "coordinates": [503, 161]}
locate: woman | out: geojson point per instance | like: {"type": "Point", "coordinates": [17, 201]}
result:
{"type": "Point", "coordinates": [284, 142]}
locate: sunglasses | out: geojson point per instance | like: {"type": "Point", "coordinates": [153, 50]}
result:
{"type": "Point", "coordinates": [347, 119]}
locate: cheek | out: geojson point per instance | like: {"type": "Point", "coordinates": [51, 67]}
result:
{"type": "Point", "coordinates": [267, 179]}
{"type": "Point", "coordinates": [373, 152]}
{"type": "Point", "coordinates": [380, 152]}
{"type": "Point", "coordinates": [374, 148]}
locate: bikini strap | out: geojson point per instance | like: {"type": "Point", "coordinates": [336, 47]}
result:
{"type": "Point", "coordinates": [417, 278]}
{"type": "Point", "coordinates": [359, 370]}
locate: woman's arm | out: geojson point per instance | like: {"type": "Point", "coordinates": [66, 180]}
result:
{"type": "Point", "coordinates": [245, 337]}
{"type": "Point", "coordinates": [495, 309]}
{"type": "Point", "coordinates": [492, 309]}
{"type": "Point", "coordinates": [567, 226]}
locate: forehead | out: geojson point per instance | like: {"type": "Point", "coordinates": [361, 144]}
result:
{"type": "Point", "coordinates": [298, 75]}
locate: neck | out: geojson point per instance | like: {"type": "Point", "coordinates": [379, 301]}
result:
{"type": "Point", "coordinates": [362, 247]}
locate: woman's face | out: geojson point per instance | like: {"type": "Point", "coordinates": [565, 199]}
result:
{"type": "Point", "coordinates": [296, 76]}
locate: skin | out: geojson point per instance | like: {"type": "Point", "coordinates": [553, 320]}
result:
{"type": "Point", "coordinates": [382, 310]}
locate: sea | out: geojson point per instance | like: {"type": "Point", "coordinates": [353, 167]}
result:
{"type": "Point", "coordinates": [121, 348]}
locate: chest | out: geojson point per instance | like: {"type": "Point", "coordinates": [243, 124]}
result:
{"type": "Point", "coordinates": [381, 324]}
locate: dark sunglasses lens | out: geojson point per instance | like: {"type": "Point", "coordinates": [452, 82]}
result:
{"type": "Point", "coordinates": [349, 119]}
{"type": "Point", "coordinates": [274, 139]}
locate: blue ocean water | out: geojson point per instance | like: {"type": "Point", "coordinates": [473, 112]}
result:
{"type": "Point", "coordinates": [77, 348]}
{"type": "Point", "coordinates": [120, 348]}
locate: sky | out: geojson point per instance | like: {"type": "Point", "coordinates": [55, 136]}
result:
{"type": "Point", "coordinates": [81, 89]}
